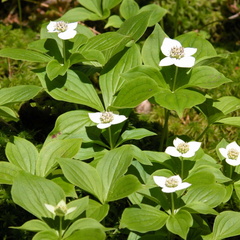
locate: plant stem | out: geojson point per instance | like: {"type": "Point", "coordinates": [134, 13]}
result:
{"type": "Point", "coordinates": [165, 130]}
{"type": "Point", "coordinates": [175, 79]}
{"type": "Point", "coordinates": [182, 167]}
{"type": "Point", "coordinates": [203, 132]}
{"type": "Point", "coordinates": [110, 138]}
{"type": "Point", "coordinates": [60, 227]}
{"type": "Point", "coordinates": [172, 204]}
{"type": "Point", "coordinates": [64, 51]}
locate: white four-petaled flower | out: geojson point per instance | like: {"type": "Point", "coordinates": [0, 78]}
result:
{"type": "Point", "coordinates": [231, 153]}
{"type": "Point", "coordinates": [171, 184]}
{"type": "Point", "coordinates": [183, 149]}
{"type": "Point", "coordinates": [60, 209]}
{"type": "Point", "coordinates": [106, 119]}
{"type": "Point", "coordinates": [176, 54]}
{"type": "Point", "coordinates": [65, 30]}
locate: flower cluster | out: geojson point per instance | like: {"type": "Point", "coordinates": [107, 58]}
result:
{"type": "Point", "coordinates": [183, 149]}
{"type": "Point", "coordinates": [231, 153]}
{"type": "Point", "coordinates": [171, 184]}
{"type": "Point", "coordinates": [106, 119]}
{"type": "Point", "coordinates": [65, 30]}
{"type": "Point", "coordinates": [176, 54]}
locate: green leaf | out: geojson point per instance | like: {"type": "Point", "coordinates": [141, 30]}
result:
{"type": "Point", "coordinates": [179, 100]}
{"type": "Point", "coordinates": [68, 188]}
{"type": "Point", "coordinates": [140, 155]}
{"type": "Point", "coordinates": [157, 13]}
{"type": "Point", "coordinates": [204, 189]}
{"type": "Point", "coordinates": [180, 223]}
{"type": "Point", "coordinates": [80, 206]}
{"type": "Point", "coordinates": [137, 133]}
{"type": "Point", "coordinates": [87, 233]}
{"type": "Point", "coordinates": [143, 218]}
{"type": "Point", "coordinates": [18, 94]}
{"type": "Point", "coordinates": [24, 55]}
{"type": "Point", "coordinates": [109, 4]}
{"type": "Point", "coordinates": [63, 148]}
{"type": "Point", "coordinates": [49, 235]}
{"type": "Point", "coordinates": [82, 175]}
{"type": "Point", "coordinates": [226, 225]}
{"type": "Point", "coordinates": [89, 226]}
{"type": "Point", "coordinates": [79, 14]}
{"type": "Point", "coordinates": [93, 5]}
{"type": "Point", "coordinates": [233, 121]}
{"type": "Point", "coordinates": [54, 68]}
{"type": "Point", "coordinates": [112, 166]}
{"type": "Point", "coordinates": [74, 87]}
{"type": "Point", "coordinates": [97, 210]}
{"type": "Point", "coordinates": [106, 44]}
{"type": "Point", "coordinates": [8, 172]}
{"type": "Point", "coordinates": [123, 187]}
{"type": "Point", "coordinates": [151, 47]}
{"type": "Point", "coordinates": [37, 191]}
{"type": "Point", "coordinates": [135, 26]}
{"type": "Point", "coordinates": [147, 72]}
{"type": "Point", "coordinates": [34, 225]}
{"type": "Point", "coordinates": [206, 77]}
{"type": "Point", "coordinates": [199, 207]}
{"type": "Point", "coordinates": [68, 125]}
{"type": "Point", "coordinates": [114, 21]}
{"type": "Point", "coordinates": [110, 79]}
{"type": "Point", "coordinates": [135, 91]}
{"type": "Point", "coordinates": [227, 104]}
{"type": "Point", "coordinates": [22, 154]}
{"type": "Point", "coordinates": [128, 8]}
{"type": "Point", "coordinates": [8, 114]}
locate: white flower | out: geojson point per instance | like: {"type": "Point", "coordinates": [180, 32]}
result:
{"type": "Point", "coordinates": [59, 210]}
{"type": "Point", "coordinates": [65, 30]}
{"type": "Point", "coordinates": [231, 153]}
{"type": "Point", "coordinates": [183, 149]}
{"type": "Point", "coordinates": [176, 54]}
{"type": "Point", "coordinates": [171, 184]}
{"type": "Point", "coordinates": [106, 119]}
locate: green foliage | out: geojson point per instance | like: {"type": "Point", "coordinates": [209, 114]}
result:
{"type": "Point", "coordinates": [90, 179]}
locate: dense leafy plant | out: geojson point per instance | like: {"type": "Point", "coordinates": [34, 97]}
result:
{"type": "Point", "coordinates": [88, 162]}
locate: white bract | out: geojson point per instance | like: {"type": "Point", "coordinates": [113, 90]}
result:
{"type": "Point", "coordinates": [59, 210]}
{"type": "Point", "coordinates": [106, 119]}
{"type": "Point", "coordinates": [171, 184]}
{"type": "Point", "coordinates": [176, 54]}
{"type": "Point", "coordinates": [65, 30]}
{"type": "Point", "coordinates": [231, 153]}
{"type": "Point", "coordinates": [183, 149]}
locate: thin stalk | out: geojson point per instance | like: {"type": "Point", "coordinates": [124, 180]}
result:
{"type": "Point", "coordinates": [172, 204]}
{"type": "Point", "coordinates": [64, 52]}
{"type": "Point", "coordinates": [110, 138]}
{"type": "Point", "coordinates": [182, 167]}
{"type": "Point", "coordinates": [203, 132]}
{"type": "Point", "coordinates": [230, 171]}
{"type": "Point", "coordinates": [20, 13]}
{"type": "Point", "coordinates": [60, 227]}
{"type": "Point", "coordinates": [175, 79]}
{"type": "Point", "coordinates": [165, 130]}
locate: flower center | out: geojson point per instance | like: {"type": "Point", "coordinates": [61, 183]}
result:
{"type": "Point", "coordinates": [183, 147]}
{"type": "Point", "coordinates": [61, 26]}
{"type": "Point", "coordinates": [60, 210]}
{"type": "Point", "coordinates": [233, 154]}
{"type": "Point", "coordinates": [171, 182]}
{"type": "Point", "coordinates": [177, 52]}
{"type": "Point", "coordinates": [106, 117]}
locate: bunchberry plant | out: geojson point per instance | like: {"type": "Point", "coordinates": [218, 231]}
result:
{"type": "Point", "coordinates": [90, 163]}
